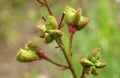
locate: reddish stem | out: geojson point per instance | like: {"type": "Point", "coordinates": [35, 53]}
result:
{"type": "Point", "coordinates": [72, 31]}
{"type": "Point", "coordinates": [43, 56]}
{"type": "Point", "coordinates": [60, 24]}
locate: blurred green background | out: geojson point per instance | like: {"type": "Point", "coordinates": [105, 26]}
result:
{"type": "Point", "coordinates": [18, 20]}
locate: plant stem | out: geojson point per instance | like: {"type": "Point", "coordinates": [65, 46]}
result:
{"type": "Point", "coordinates": [70, 44]}
{"type": "Point", "coordinates": [60, 24]}
{"type": "Point", "coordinates": [42, 3]}
{"type": "Point", "coordinates": [83, 74]}
{"type": "Point", "coordinates": [48, 8]}
{"type": "Point", "coordinates": [67, 58]}
{"type": "Point", "coordinates": [44, 18]}
{"type": "Point", "coordinates": [55, 63]}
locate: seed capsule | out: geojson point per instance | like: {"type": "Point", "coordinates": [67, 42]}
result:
{"type": "Point", "coordinates": [26, 56]}
{"type": "Point", "coordinates": [32, 46]}
{"type": "Point", "coordinates": [94, 55]}
{"type": "Point", "coordinates": [100, 65]}
{"type": "Point", "coordinates": [51, 23]}
{"type": "Point", "coordinates": [57, 33]}
{"type": "Point", "coordinates": [86, 63]}
{"type": "Point", "coordinates": [69, 13]}
{"type": "Point", "coordinates": [48, 38]}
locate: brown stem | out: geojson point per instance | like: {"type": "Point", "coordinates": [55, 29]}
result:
{"type": "Point", "coordinates": [67, 58]}
{"type": "Point", "coordinates": [70, 44]}
{"type": "Point", "coordinates": [55, 63]}
{"type": "Point", "coordinates": [48, 8]}
{"type": "Point", "coordinates": [83, 74]}
{"type": "Point", "coordinates": [42, 3]}
{"type": "Point", "coordinates": [60, 24]}
{"type": "Point", "coordinates": [44, 18]}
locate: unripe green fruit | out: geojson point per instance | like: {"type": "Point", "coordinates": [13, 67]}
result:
{"type": "Point", "coordinates": [86, 63]}
{"type": "Point", "coordinates": [100, 65]}
{"type": "Point", "coordinates": [48, 38]}
{"type": "Point", "coordinates": [76, 17]}
{"type": "Point", "coordinates": [51, 23]}
{"type": "Point", "coordinates": [69, 13]}
{"type": "Point", "coordinates": [32, 47]}
{"type": "Point", "coordinates": [26, 56]}
{"type": "Point", "coordinates": [57, 33]}
{"type": "Point", "coordinates": [94, 55]}
{"type": "Point", "coordinates": [83, 22]}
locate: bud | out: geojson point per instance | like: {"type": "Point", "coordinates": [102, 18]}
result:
{"type": "Point", "coordinates": [48, 38]}
{"type": "Point", "coordinates": [51, 23]}
{"type": "Point", "coordinates": [76, 17]}
{"type": "Point", "coordinates": [26, 56]}
{"type": "Point", "coordinates": [41, 54]}
{"type": "Point", "coordinates": [57, 33]}
{"type": "Point", "coordinates": [42, 30]}
{"type": "Point", "coordinates": [86, 63]}
{"type": "Point", "coordinates": [94, 55]}
{"type": "Point", "coordinates": [69, 13]}
{"type": "Point", "coordinates": [83, 22]}
{"type": "Point", "coordinates": [88, 70]}
{"type": "Point", "coordinates": [100, 65]}
{"type": "Point", "coordinates": [32, 46]}
{"type": "Point", "coordinates": [95, 71]}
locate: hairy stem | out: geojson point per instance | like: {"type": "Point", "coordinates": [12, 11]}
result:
{"type": "Point", "coordinates": [67, 58]}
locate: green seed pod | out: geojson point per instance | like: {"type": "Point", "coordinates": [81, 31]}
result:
{"type": "Point", "coordinates": [42, 30]}
{"type": "Point", "coordinates": [83, 22]}
{"type": "Point", "coordinates": [51, 23]}
{"type": "Point", "coordinates": [100, 65]}
{"type": "Point", "coordinates": [48, 38]}
{"type": "Point", "coordinates": [69, 13]}
{"type": "Point", "coordinates": [94, 55]}
{"type": "Point", "coordinates": [86, 63]}
{"type": "Point", "coordinates": [76, 17]}
{"type": "Point", "coordinates": [57, 33]}
{"type": "Point", "coordinates": [26, 56]}
{"type": "Point", "coordinates": [95, 71]}
{"type": "Point", "coordinates": [32, 47]}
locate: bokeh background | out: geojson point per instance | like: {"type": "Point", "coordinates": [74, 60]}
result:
{"type": "Point", "coordinates": [18, 20]}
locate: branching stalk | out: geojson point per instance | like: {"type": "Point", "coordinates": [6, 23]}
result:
{"type": "Point", "coordinates": [67, 58]}
{"type": "Point", "coordinates": [55, 63]}
{"type": "Point", "coordinates": [48, 8]}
